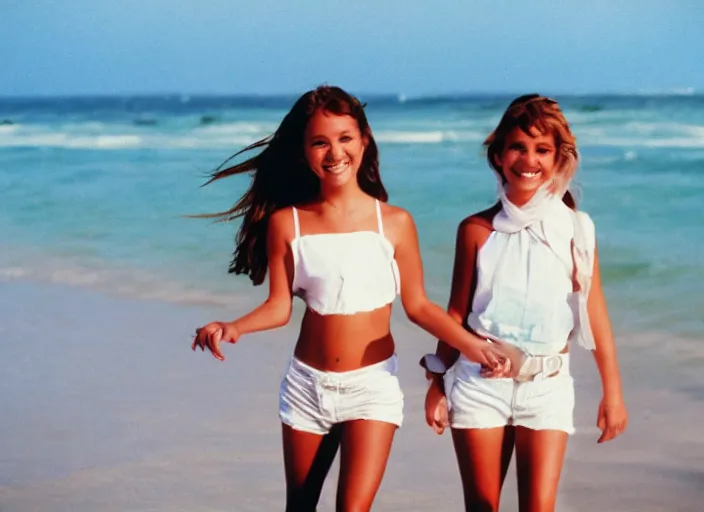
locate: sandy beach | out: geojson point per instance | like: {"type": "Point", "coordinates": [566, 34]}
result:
{"type": "Point", "coordinates": [113, 117]}
{"type": "Point", "coordinates": [104, 407]}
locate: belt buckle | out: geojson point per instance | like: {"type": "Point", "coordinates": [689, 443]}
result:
{"type": "Point", "coordinates": [551, 366]}
{"type": "Point", "coordinates": [539, 368]}
{"type": "Point", "coordinates": [529, 370]}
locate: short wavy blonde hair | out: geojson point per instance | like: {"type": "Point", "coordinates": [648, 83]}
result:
{"type": "Point", "coordinates": [536, 112]}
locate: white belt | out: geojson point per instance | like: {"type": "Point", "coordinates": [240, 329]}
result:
{"type": "Point", "coordinates": [543, 367]}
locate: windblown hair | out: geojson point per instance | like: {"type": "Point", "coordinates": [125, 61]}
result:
{"type": "Point", "coordinates": [533, 111]}
{"type": "Point", "coordinates": [282, 177]}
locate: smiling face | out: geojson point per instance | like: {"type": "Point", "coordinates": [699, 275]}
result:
{"type": "Point", "coordinates": [527, 161]}
{"type": "Point", "coordinates": [533, 145]}
{"type": "Point", "coordinates": [334, 148]}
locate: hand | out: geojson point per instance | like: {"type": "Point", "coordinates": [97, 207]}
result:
{"type": "Point", "coordinates": [611, 419]}
{"type": "Point", "coordinates": [494, 362]}
{"type": "Point", "coordinates": [509, 360]}
{"type": "Point", "coordinates": [436, 409]}
{"type": "Point", "coordinates": [212, 334]}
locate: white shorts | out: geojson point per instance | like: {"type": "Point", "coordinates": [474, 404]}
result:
{"type": "Point", "coordinates": [313, 401]}
{"type": "Point", "coordinates": [541, 404]}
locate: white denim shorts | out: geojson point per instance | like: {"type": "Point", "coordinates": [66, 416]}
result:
{"type": "Point", "coordinates": [541, 404]}
{"type": "Point", "coordinates": [313, 401]}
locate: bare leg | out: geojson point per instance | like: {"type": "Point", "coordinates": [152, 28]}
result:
{"type": "Point", "coordinates": [365, 448]}
{"type": "Point", "coordinates": [539, 458]}
{"type": "Point", "coordinates": [483, 456]}
{"type": "Point", "coordinates": [307, 460]}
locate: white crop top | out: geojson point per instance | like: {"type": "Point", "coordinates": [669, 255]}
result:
{"type": "Point", "coordinates": [344, 273]}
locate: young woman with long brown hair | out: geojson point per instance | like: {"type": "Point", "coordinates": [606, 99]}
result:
{"type": "Point", "coordinates": [316, 219]}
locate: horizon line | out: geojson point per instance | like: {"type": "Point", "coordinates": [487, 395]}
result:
{"type": "Point", "coordinates": [401, 96]}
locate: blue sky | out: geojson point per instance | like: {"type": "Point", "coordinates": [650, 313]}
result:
{"type": "Point", "coordinates": [413, 47]}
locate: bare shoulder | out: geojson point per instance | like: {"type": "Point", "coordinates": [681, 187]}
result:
{"type": "Point", "coordinates": [478, 226]}
{"type": "Point", "coordinates": [395, 216]}
{"type": "Point", "coordinates": [398, 224]}
{"type": "Point", "coordinates": [281, 223]}
{"type": "Point", "coordinates": [394, 213]}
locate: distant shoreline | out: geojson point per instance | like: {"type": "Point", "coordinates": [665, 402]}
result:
{"type": "Point", "coordinates": [288, 98]}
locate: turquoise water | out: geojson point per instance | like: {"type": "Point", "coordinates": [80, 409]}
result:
{"type": "Point", "coordinates": [93, 191]}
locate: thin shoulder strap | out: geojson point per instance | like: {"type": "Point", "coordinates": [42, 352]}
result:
{"type": "Point", "coordinates": [378, 218]}
{"type": "Point", "coordinates": [296, 225]}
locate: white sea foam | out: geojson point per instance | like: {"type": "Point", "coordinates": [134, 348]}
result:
{"type": "Point", "coordinates": [644, 134]}
{"type": "Point", "coordinates": [238, 128]}
{"type": "Point", "coordinates": [130, 282]}
{"type": "Point", "coordinates": [102, 136]}
{"type": "Point", "coordinates": [692, 130]}
{"type": "Point", "coordinates": [426, 137]}
{"type": "Point", "coordinates": [97, 136]}
{"type": "Point", "coordinates": [666, 142]}
{"type": "Point", "coordinates": [125, 141]}
{"type": "Point", "coordinates": [673, 91]}
{"type": "Point", "coordinates": [199, 141]}
{"type": "Point", "coordinates": [72, 141]}
{"type": "Point", "coordinates": [7, 273]}
{"type": "Point", "coordinates": [579, 117]}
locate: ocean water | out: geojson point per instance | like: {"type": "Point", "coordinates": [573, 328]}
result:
{"type": "Point", "coordinates": [94, 192]}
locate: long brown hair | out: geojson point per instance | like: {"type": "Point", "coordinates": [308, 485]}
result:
{"type": "Point", "coordinates": [282, 177]}
{"type": "Point", "coordinates": [533, 111]}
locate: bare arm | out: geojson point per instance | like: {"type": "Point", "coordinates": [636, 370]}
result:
{"type": "Point", "coordinates": [470, 236]}
{"type": "Point", "coordinates": [275, 311]}
{"type": "Point", "coordinates": [605, 353]}
{"type": "Point", "coordinates": [428, 315]}
{"type": "Point", "coordinates": [612, 416]}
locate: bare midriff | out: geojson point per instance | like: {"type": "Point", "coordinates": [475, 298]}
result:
{"type": "Point", "coordinates": [341, 343]}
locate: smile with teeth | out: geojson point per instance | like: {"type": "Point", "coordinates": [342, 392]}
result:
{"type": "Point", "coordinates": [528, 174]}
{"type": "Point", "coordinates": [337, 168]}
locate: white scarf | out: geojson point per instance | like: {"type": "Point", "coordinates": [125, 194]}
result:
{"type": "Point", "coordinates": [556, 225]}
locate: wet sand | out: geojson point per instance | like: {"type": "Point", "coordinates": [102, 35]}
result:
{"type": "Point", "coordinates": [105, 407]}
